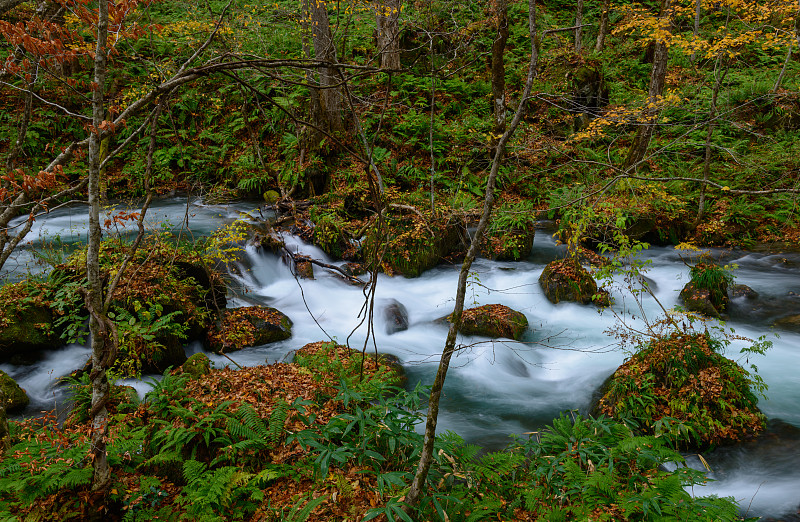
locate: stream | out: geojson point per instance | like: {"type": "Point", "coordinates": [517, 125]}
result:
{"type": "Point", "coordinates": [494, 388]}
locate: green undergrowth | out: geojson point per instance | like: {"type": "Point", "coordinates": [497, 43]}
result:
{"type": "Point", "coordinates": [308, 440]}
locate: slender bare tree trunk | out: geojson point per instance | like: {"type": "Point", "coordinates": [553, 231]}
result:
{"type": "Point", "coordinates": [387, 20]}
{"type": "Point", "coordinates": [426, 457]}
{"type": "Point", "coordinates": [779, 80]}
{"type": "Point", "coordinates": [579, 26]}
{"type": "Point", "coordinates": [712, 116]}
{"type": "Point", "coordinates": [94, 296]}
{"type": "Point", "coordinates": [499, 72]}
{"type": "Point", "coordinates": [658, 77]}
{"type": "Point", "coordinates": [698, 9]}
{"type": "Point", "coordinates": [602, 32]}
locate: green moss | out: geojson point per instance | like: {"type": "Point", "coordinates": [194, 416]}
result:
{"type": "Point", "coordinates": [15, 397]}
{"type": "Point", "coordinates": [197, 365]}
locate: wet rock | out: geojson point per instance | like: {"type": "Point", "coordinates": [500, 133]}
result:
{"type": "Point", "coordinates": [125, 397]}
{"type": "Point", "coordinates": [26, 330]}
{"type": "Point", "coordinates": [197, 365]}
{"type": "Point", "coordinates": [567, 280]}
{"type": "Point", "coordinates": [249, 326]}
{"type": "Point", "coordinates": [415, 246]}
{"type": "Point", "coordinates": [304, 268]}
{"type": "Point", "coordinates": [396, 317]}
{"type": "Point", "coordinates": [494, 321]}
{"type": "Point", "coordinates": [16, 398]}
{"type": "Point", "coordinates": [743, 291]}
{"type": "Point", "coordinates": [353, 269]}
{"type": "Point", "coordinates": [699, 300]}
{"type": "Point", "coordinates": [271, 197]}
{"type": "Point", "coordinates": [790, 322]}
{"type": "Point", "coordinates": [170, 354]}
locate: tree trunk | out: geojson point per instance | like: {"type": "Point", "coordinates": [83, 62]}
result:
{"type": "Point", "coordinates": [712, 116]}
{"type": "Point", "coordinates": [658, 77]}
{"type": "Point", "coordinates": [94, 297]}
{"type": "Point", "coordinates": [698, 9]}
{"type": "Point", "coordinates": [499, 73]}
{"type": "Point", "coordinates": [426, 456]}
{"type": "Point", "coordinates": [330, 96]}
{"type": "Point", "coordinates": [579, 26]}
{"type": "Point", "coordinates": [602, 32]}
{"type": "Point", "coordinates": [387, 20]}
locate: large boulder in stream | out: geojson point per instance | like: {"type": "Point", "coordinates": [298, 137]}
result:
{"type": "Point", "coordinates": [493, 320]}
{"type": "Point", "coordinates": [15, 397]}
{"type": "Point", "coordinates": [567, 280]}
{"type": "Point", "coordinates": [248, 326]}
{"type": "Point", "coordinates": [682, 387]}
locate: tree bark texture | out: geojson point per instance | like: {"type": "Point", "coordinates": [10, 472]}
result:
{"type": "Point", "coordinates": [426, 456]}
{"type": "Point", "coordinates": [499, 72]}
{"type": "Point", "coordinates": [578, 26]}
{"type": "Point", "coordinates": [602, 32]}
{"type": "Point", "coordinates": [330, 96]}
{"type": "Point", "coordinates": [658, 77]}
{"type": "Point", "coordinates": [387, 20]}
{"type": "Point", "coordinates": [94, 296]}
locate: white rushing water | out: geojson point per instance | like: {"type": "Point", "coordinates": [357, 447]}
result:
{"type": "Point", "coordinates": [496, 388]}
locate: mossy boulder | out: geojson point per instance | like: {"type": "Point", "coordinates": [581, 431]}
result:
{"type": "Point", "coordinates": [707, 291]}
{"type": "Point", "coordinates": [684, 380]}
{"type": "Point", "coordinates": [26, 322]}
{"type": "Point", "coordinates": [197, 365]}
{"type": "Point", "coordinates": [248, 326]}
{"type": "Point", "coordinates": [413, 245]}
{"type": "Point", "coordinates": [346, 363]}
{"type": "Point", "coordinates": [698, 300]}
{"type": "Point", "coordinates": [16, 398]}
{"type": "Point", "coordinates": [509, 245]}
{"type": "Point", "coordinates": [493, 320]}
{"type": "Point", "coordinates": [567, 280]}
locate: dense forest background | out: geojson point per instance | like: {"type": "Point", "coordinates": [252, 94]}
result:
{"type": "Point", "coordinates": [391, 126]}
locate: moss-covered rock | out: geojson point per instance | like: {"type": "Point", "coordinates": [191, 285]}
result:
{"type": "Point", "coordinates": [346, 364]}
{"type": "Point", "coordinates": [249, 326]}
{"type": "Point", "coordinates": [197, 365]}
{"type": "Point", "coordinates": [493, 320]}
{"type": "Point", "coordinates": [684, 380]}
{"type": "Point", "coordinates": [509, 245]}
{"type": "Point", "coordinates": [16, 398]}
{"type": "Point", "coordinates": [567, 280]}
{"type": "Point", "coordinates": [26, 322]}
{"type": "Point", "coordinates": [707, 292]}
{"type": "Point", "coordinates": [698, 300]}
{"type": "Point", "coordinates": [413, 245]}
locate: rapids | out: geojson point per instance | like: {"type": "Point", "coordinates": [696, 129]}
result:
{"type": "Point", "coordinates": [502, 387]}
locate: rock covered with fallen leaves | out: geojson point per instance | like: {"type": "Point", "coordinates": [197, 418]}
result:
{"type": "Point", "coordinates": [248, 326]}
{"type": "Point", "coordinates": [493, 320]}
{"type": "Point", "coordinates": [683, 385]}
